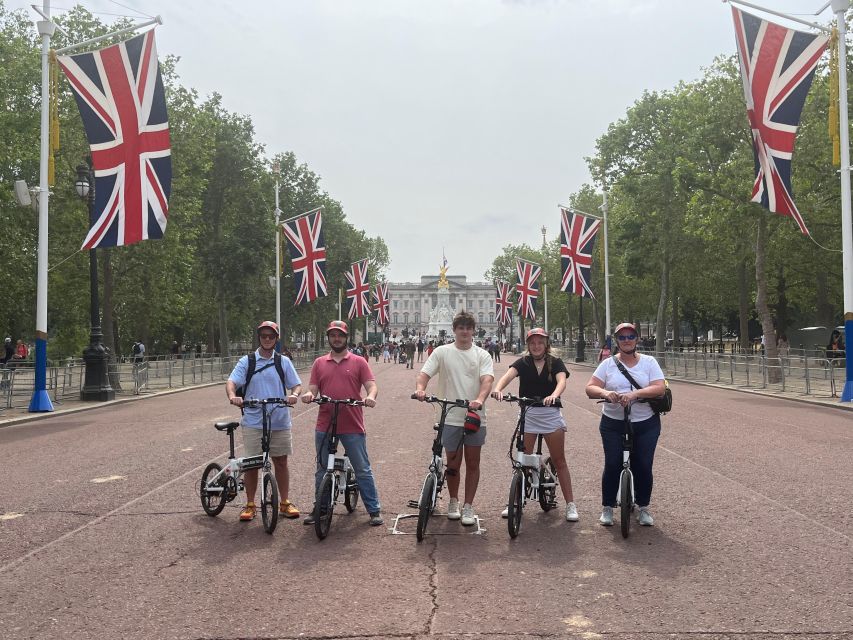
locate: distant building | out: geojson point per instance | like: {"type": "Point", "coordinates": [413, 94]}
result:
{"type": "Point", "coordinates": [411, 303]}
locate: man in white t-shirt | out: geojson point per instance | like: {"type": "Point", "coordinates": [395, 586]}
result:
{"type": "Point", "coordinates": [465, 372]}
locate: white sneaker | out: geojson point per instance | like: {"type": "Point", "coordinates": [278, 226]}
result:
{"type": "Point", "coordinates": [571, 512]}
{"type": "Point", "coordinates": [606, 518]}
{"type": "Point", "coordinates": [645, 518]}
{"type": "Point", "coordinates": [468, 517]}
{"type": "Point", "coordinates": [505, 513]}
{"type": "Point", "coordinates": [453, 510]}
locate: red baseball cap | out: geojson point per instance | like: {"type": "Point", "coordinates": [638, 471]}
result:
{"type": "Point", "coordinates": [269, 324]}
{"type": "Point", "coordinates": [626, 325]}
{"type": "Point", "coordinates": [537, 331]}
{"type": "Point", "coordinates": [338, 325]}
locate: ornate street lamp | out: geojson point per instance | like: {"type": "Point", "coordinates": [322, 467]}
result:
{"type": "Point", "coordinates": [96, 385]}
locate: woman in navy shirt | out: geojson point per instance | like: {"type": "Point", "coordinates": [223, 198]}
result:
{"type": "Point", "coordinates": [542, 375]}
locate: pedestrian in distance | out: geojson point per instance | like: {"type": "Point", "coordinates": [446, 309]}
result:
{"type": "Point", "coordinates": [340, 375]}
{"type": "Point", "coordinates": [420, 349]}
{"type": "Point", "coordinates": [609, 383]}
{"type": "Point", "coordinates": [260, 375]}
{"type": "Point", "coordinates": [542, 375]}
{"type": "Point", "coordinates": [8, 352]}
{"type": "Point", "coordinates": [464, 371]}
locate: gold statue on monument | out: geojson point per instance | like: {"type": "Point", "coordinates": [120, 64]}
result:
{"type": "Point", "coordinates": [442, 278]}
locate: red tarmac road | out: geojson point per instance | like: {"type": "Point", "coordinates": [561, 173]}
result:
{"type": "Point", "coordinates": [102, 534]}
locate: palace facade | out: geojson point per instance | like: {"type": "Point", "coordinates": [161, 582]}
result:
{"type": "Point", "coordinates": [411, 303]}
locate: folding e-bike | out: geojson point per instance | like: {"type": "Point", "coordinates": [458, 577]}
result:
{"type": "Point", "coordinates": [625, 494]}
{"type": "Point", "coordinates": [533, 477]}
{"type": "Point", "coordinates": [434, 481]}
{"type": "Point", "coordinates": [221, 485]}
{"type": "Point", "coordinates": [333, 487]}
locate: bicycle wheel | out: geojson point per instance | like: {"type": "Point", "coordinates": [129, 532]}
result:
{"type": "Point", "coordinates": [426, 505]}
{"type": "Point", "coordinates": [269, 502]}
{"type": "Point", "coordinates": [626, 502]}
{"type": "Point", "coordinates": [548, 495]}
{"type": "Point", "coordinates": [323, 507]}
{"type": "Point", "coordinates": [351, 492]}
{"type": "Point", "coordinates": [515, 503]}
{"type": "Point", "coordinates": [212, 502]}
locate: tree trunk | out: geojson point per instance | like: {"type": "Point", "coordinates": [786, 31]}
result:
{"type": "Point", "coordinates": [773, 372]}
{"type": "Point", "coordinates": [676, 329]}
{"type": "Point", "coordinates": [660, 328]}
{"type": "Point", "coordinates": [224, 345]}
{"type": "Point", "coordinates": [823, 307]}
{"type": "Point", "coordinates": [781, 302]}
{"type": "Point", "coordinates": [743, 306]}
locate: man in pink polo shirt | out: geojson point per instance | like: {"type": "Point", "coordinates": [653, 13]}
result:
{"type": "Point", "coordinates": [340, 375]}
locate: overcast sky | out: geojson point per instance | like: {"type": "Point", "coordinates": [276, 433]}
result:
{"type": "Point", "coordinates": [439, 123]}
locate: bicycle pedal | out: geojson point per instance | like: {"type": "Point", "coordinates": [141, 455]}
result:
{"type": "Point", "coordinates": [413, 504]}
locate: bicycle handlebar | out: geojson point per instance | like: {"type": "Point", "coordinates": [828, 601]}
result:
{"type": "Point", "coordinates": [531, 402]}
{"type": "Point", "coordinates": [444, 401]}
{"type": "Point", "coordinates": [347, 401]}
{"type": "Point", "coordinates": [254, 403]}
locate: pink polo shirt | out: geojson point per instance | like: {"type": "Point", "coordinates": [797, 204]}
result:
{"type": "Point", "coordinates": [340, 380]}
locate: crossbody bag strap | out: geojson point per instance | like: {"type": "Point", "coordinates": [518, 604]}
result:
{"type": "Point", "coordinates": [625, 373]}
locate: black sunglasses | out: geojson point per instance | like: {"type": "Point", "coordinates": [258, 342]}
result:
{"type": "Point", "coordinates": [630, 336]}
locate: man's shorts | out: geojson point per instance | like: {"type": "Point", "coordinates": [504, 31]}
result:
{"type": "Point", "coordinates": [454, 437]}
{"type": "Point", "coordinates": [281, 442]}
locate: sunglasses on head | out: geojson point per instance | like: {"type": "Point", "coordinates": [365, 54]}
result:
{"type": "Point", "coordinates": [629, 336]}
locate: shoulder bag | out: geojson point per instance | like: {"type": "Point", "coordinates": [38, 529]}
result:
{"type": "Point", "coordinates": [660, 404]}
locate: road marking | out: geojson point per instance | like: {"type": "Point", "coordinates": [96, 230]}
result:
{"type": "Point", "coordinates": [99, 519]}
{"type": "Point", "coordinates": [187, 449]}
{"type": "Point", "coordinates": [586, 573]}
{"type": "Point", "coordinates": [11, 515]}
{"type": "Point", "coordinates": [578, 621]}
{"type": "Point", "coordinates": [107, 479]}
{"type": "Point", "coordinates": [757, 493]}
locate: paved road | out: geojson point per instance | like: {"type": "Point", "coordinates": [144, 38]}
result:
{"type": "Point", "coordinates": [752, 535]}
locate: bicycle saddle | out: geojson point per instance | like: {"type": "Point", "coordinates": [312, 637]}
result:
{"type": "Point", "coordinates": [226, 426]}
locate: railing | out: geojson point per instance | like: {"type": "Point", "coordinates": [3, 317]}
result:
{"type": "Point", "coordinates": [801, 372]}
{"type": "Point", "coordinates": [126, 377]}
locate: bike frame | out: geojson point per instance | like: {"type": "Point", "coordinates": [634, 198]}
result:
{"type": "Point", "coordinates": [532, 463]}
{"type": "Point", "coordinates": [335, 464]}
{"type": "Point", "coordinates": [627, 449]}
{"type": "Point", "coordinates": [237, 466]}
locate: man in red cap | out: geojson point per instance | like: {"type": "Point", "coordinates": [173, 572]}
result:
{"type": "Point", "coordinates": [339, 375]}
{"type": "Point", "coordinates": [266, 374]}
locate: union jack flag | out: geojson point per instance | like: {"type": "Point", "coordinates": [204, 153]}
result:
{"type": "Point", "coordinates": [308, 254]}
{"type": "Point", "coordinates": [577, 235]}
{"type": "Point", "coordinates": [121, 99]}
{"type": "Point", "coordinates": [380, 303]}
{"type": "Point", "coordinates": [358, 289]}
{"type": "Point", "coordinates": [777, 65]}
{"type": "Point", "coordinates": [503, 305]}
{"type": "Point", "coordinates": [527, 287]}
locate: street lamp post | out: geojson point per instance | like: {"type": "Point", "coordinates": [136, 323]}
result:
{"type": "Point", "coordinates": [96, 385]}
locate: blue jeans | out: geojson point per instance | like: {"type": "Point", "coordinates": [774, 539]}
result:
{"type": "Point", "coordinates": [355, 445]}
{"type": "Point", "coordinates": [646, 434]}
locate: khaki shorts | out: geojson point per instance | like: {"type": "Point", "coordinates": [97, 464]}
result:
{"type": "Point", "coordinates": [453, 437]}
{"type": "Point", "coordinates": [281, 442]}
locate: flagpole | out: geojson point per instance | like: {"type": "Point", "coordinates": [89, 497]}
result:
{"type": "Point", "coordinates": [40, 401]}
{"type": "Point", "coordinates": [544, 280]}
{"type": "Point", "coordinates": [839, 7]}
{"type": "Point", "coordinates": [302, 215]}
{"type": "Point", "coordinates": [814, 25]}
{"type": "Point", "coordinates": [277, 171]}
{"type": "Point", "coordinates": [141, 25]}
{"type": "Point", "coordinates": [606, 268]}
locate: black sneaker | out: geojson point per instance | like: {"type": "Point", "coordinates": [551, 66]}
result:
{"type": "Point", "coordinates": [375, 519]}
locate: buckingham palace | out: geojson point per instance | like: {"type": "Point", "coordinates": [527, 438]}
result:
{"type": "Point", "coordinates": [412, 302]}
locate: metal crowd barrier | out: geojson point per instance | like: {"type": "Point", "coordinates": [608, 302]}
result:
{"type": "Point", "coordinates": [64, 382]}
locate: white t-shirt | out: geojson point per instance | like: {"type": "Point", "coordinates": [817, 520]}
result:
{"type": "Point", "coordinates": [646, 371]}
{"type": "Point", "coordinates": [459, 372]}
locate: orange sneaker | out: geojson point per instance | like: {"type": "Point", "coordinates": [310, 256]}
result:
{"type": "Point", "coordinates": [248, 512]}
{"type": "Point", "coordinates": [288, 509]}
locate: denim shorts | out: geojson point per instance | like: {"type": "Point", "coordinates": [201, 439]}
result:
{"type": "Point", "coordinates": [454, 437]}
